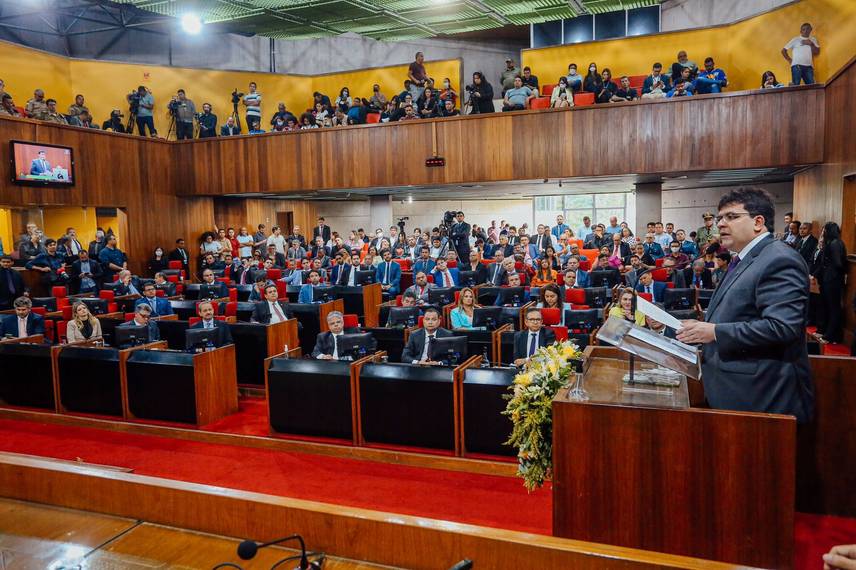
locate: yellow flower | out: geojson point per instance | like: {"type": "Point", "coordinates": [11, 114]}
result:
{"type": "Point", "coordinates": [523, 379]}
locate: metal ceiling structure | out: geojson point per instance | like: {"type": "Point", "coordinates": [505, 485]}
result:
{"type": "Point", "coordinates": [378, 19]}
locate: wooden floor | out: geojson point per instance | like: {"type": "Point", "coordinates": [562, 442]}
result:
{"type": "Point", "coordinates": [38, 537]}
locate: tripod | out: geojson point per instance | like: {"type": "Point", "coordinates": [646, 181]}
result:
{"type": "Point", "coordinates": [235, 116]}
{"type": "Point", "coordinates": [132, 120]}
{"type": "Point", "coordinates": [171, 130]}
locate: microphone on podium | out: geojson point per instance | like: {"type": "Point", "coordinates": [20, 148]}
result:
{"type": "Point", "coordinates": [465, 564]}
{"type": "Point", "coordinates": [248, 549]}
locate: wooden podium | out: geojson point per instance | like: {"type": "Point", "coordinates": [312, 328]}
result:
{"type": "Point", "coordinates": [631, 468]}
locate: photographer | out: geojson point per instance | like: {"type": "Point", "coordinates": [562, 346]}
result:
{"type": "Point", "coordinates": [142, 102]}
{"type": "Point", "coordinates": [114, 123]}
{"type": "Point", "coordinates": [183, 110]}
{"type": "Point", "coordinates": [481, 94]}
{"type": "Point", "coordinates": [207, 122]}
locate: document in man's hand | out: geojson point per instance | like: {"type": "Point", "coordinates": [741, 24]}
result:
{"type": "Point", "coordinates": [649, 309]}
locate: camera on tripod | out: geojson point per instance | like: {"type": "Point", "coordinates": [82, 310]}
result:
{"type": "Point", "coordinates": [236, 97]}
{"type": "Point", "coordinates": [134, 101]}
{"type": "Point", "coordinates": [173, 106]}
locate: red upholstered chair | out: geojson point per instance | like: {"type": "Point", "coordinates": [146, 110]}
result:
{"type": "Point", "coordinates": [112, 307]}
{"type": "Point", "coordinates": [573, 241]}
{"type": "Point", "coordinates": [560, 279]}
{"type": "Point", "coordinates": [351, 321]}
{"type": "Point", "coordinates": [457, 296]}
{"type": "Point", "coordinates": [172, 278]}
{"type": "Point", "coordinates": [591, 254]}
{"type": "Point", "coordinates": [274, 274]}
{"type": "Point", "coordinates": [233, 294]}
{"type": "Point", "coordinates": [518, 266]}
{"type": "Point", "coordinates": [575, 307]}
{"type": "Point", "coordinates": [174, 265]}
{"type": "Point", "coordinates": [223, 280]}
{"type": "Point", "coordinates": [403, 263]}
{"type": "Point", "coordinates": [59, 291]}
{"type": "Point", "coordinates": [40, 311]}
{"type": "Point", "coordinates": [575, 296]}
{"type": "Point", "coordinates": [659, 262]}
{"type": "Point", "coordinates": [129, 317]}
{"type": "Point", "coordinates": [585, 265]}
{"type": "Point", "coordinates": [107, 294]}
{"type": "Point", "coordinates": [280, 289]}
{"type": "Point", "coordinates": [540, 103]}
{"type": "Point", "coordinates": [61, 331]}
{"type": "Point", "coordinates": [670, 285]}
{"type": "Point", "coordinates": [63, 302]}
{"type": "Point", "coordinates": [552, 317]}
{"type": "Point", "coordinates": [548, 90]}
{"type": "Point", "coordinates": [49, 327]}
{"type": "Point", "coordinates": [660, 275]}
{"type": "Point", "coordinates": [583, 99]}
{"type": "Point", "coordinates": [398, 300]}
{"type": "Point", "coordinates": [217, 309]}
{"type": "Point", "coordinates": [560, 332]}
{"type": "Point", "coordinates": [486, 262]}
{"type": "Point", "coordinates": [160, 293]}
{"type": "Point", "coordinates": [452, 264]}
{"type": "Point", "coordinates": [231, 309]}
{"type": "Point", "coordinates": [430, 278]}
{"type": "Point", "coordinates": [647, 296]}
{"type": "Point", "coordinates": [419, 322]}
{"type": "Point", "coordinates": [66, 313]}
{"type": "Point", "coordinates": [372, 118]}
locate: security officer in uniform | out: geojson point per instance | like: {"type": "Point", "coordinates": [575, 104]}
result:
{"type": "Point", "coordinates": [705, 232]}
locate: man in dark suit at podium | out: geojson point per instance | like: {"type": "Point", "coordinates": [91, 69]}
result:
{"type": "Point", "coordinates": [418, 348]}
{"type": "Point", "coordinates": [527, 342]}
{"type": "Point", "coordinates": [24, 322]}
{"type": "Point", "coordinates": [326, 343]}
{"type": "Point", "coordinates": [754, 355]}
{"type": "Point", "coordinates": [271, 310]}
{"type": "Point", "coordinates": [206, 311]}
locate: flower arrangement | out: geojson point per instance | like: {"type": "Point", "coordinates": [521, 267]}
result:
{"type": "Point", "coordinates": [549, 370]}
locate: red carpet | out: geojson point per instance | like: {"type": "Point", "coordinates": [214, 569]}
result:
{"type": "Point", "coordinates": [499, 502]}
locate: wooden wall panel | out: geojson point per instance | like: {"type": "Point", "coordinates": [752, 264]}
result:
{"type": "Point", "coordinates": [237, 212]}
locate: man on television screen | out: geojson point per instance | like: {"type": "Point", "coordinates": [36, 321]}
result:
{"type": "Point", "coordinates": [40, 166]}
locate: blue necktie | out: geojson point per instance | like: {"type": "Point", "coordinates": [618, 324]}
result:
{"type": "Point", "coordinates": [533, 343]}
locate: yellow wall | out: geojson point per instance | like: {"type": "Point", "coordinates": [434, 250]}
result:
{"type": "Point", "coordinates": [744, 50]}
{"type": "Point", "coordinates": [57, 220]}
{"type": "Point", "coordinates": [111, 223]}
{"type": "Point", "coordinates": [6, 234]}
{"type": "Point", "coordinates": [104, 84]}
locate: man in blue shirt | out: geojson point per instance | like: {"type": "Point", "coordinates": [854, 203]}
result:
{"type": "Point", "coordinates": [158, 305]}
{"type": "Point", "coordinates": [305, 295]}
{"type": "Point", "coordinates": [112, 259]}
{"type": "Point", "coordinates": [585, 230]}
{"type": "Point", "coordinates": [613, 227]}
{"type": "Point", "coordinates": [145, 116]}
{"type": "Point", "coordinates": [711, 80]}
{"type": "Point", "coordinates": [560, 227]}
{"type": "Point", "coordinates": [683, 86]}
{"type": "Point", "coordinates": [388, 274]}
{"type": "Point", "coordinates": [518, 97]}
{"type": "Point", "coordinates": [688, 246]}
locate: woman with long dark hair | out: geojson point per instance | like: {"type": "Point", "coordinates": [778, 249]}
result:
{"type": "Point", "coordinates": [593, 82]}
{"type": "Point", "coordinates": [481, 94]}
{"type": "Point", "coordinates": [830, 271]}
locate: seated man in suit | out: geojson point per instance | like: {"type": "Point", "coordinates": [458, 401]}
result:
{"type": "Point", "coordinates": [582, 277]}
{"type": "Point", "coordinates": [388, 274]}
{"type": "Point", "coordinates": [295, 277]}
{"type": "Point", "coordinates": [513, 281]}
{"type": "Point", "coordinates": [142, 318]}
{"type": "Point", "coordinates": [258, 292]}
{"type": "Point", "coordinates": [646, 284]}
{"type": "Point", "coordinates": [86, 273]}
{"type": "Point", "coordinates": [495, 272]}
{"type": "Point", "coordinates": [278, 259]}
{"type": "Point", "coordinates": [418, 348]}
{"type": "Point", "coordinates": [635, 269]}
{"type": "Point", "coordinates": [443, 276]}
{"type": "Point", "coordinates": [242, 274]}
{"type": "Point", "coordinates": [474, 264]}
{"type": "Point", "coordinates": [326, 344]}
{"type": "Point", "coordinates": [408, 299]}
{"type": "Point", "coordinates": [613, 276]}
{"type": "Point", "coordinates": [675, 276]}
{"type": "Point", "coordinates": [206, 311]}
{"type": "Point", "coordinates": [645, 257]}
{"type": "Point", "coordinates": [24, 322]}
{"type": "Point", "coordinates": [659, 328]}
{"type": "Point", "coordinates": [271, 310]}
{"type": "Point", "coordinates": [344, 273]}
{"type": "Point", "coordinates": [305, 295]}
{"type": "Point", "coordinates": [698, 275]}
{"type": "Point", "coordinates": [212, 262]}
{"type": "Point", "coordinates": [160, 306]}
{"type": "Point", "coordinates": [218, 288]}
{"type": "Point", "coordinates": [618, 248]}
{"type": "Point", "coordinates": [127, 284]}
{"type": "Point", "coordinates": [528, 341]}
{"type": "Point", "coordinates": [161, 283]}
{"type": "Point", "coordinates": [420, 288]}
{"type": "Point", "coordinates": [424, 263]}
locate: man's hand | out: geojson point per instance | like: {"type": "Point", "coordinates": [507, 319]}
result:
{"type": "Point", "coordinates": [697, 332]}
{"type": "Point", "coordinates": [520, 362]}
{"type": "Point", "coordinates": [806, 42]}
{"type": "Point", "coordinates": [325, 357]}
{"type": "Point", "coordinates": [840, 558]}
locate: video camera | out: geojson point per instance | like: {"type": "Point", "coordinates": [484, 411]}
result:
{"type": "Point", "coordinates": [236, 97]}
{"type": "Point", "coordinates": [134, 101]}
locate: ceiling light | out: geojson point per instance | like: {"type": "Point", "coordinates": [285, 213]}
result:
{"type": "Point", "coordinates": [191, 23]}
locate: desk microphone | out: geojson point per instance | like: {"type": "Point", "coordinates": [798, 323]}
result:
{"type": "Point", "coordinates": [465, 564]}
{"type": "Point", "coordinates": [248, 549]}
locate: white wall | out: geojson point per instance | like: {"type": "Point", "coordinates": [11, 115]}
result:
{"type": "Point", "coordinates": [684, 208]}
{"type": "Point", "coordinates": [345, 216]}
{"type": "Point", "coordinates": [684, 14]}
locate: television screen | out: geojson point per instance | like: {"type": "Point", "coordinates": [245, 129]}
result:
{"type": "Point", "coordinates": [36, 164]}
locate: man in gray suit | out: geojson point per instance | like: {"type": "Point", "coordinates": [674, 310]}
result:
{"type": "Point", "coordinates": [754, 347]}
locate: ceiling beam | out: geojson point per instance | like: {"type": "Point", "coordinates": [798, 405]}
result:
{"type": "Point", "coordinates": [488, 11]}
{"type": "Point", "coordinates": [281, 15]}
{"type": "Point", "coordinates": [391, 14]}
{"type": "Point", "coordinates": [578, 7]}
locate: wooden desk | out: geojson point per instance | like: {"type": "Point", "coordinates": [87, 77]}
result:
{"type": "Point", "coordinates": [496, 342]}
{"type": "Point", "coordinates": [254, 342]}
{"type": "Point", "coordinates": [482, 394]}
{"type": "Point", "coordinates": [91, 378]}
{"type": "Point", "coordinates": [698, 482]}
{"type": "Point", "coordinates": [29, 377]}
{"type": "Point", "coordinates": [372, 297]}
{"type": "Point", "coordinates": [195, 388]}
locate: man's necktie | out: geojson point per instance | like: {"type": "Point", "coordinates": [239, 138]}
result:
{"type": "Point", "coordinates": [734, 263]}
{"type": "Point", "coordinates": [335, 347]}
{"type": "Point", "coordinates": [153, 304]}
{"type": "Point", "coordinates": [386, 274]}
{"type": "Point", "coordinates": [648, 289]}
{"type": "Point", "coordinates": [447, 281]}
{"type": "Point", "coordinates": [430, 342]}
{"type": "Point", "coordinates": [278, 311]}
{"type": "Point", "coordinates": [533, 343]}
